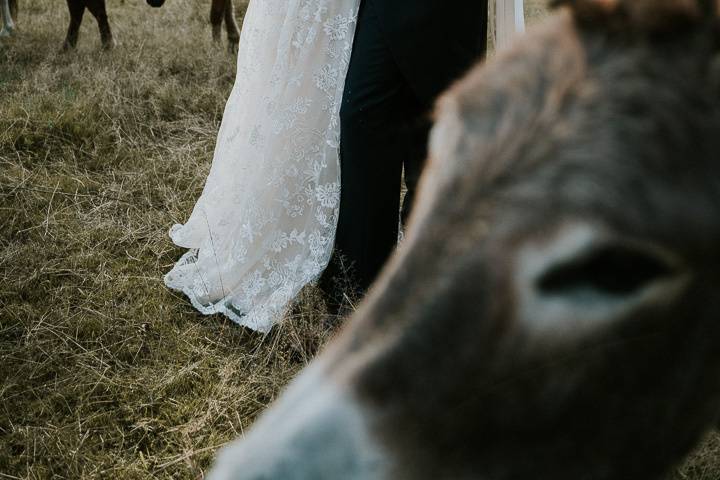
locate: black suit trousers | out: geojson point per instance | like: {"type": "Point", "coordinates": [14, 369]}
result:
{"type": "Point", "coordinates": [384, 127]}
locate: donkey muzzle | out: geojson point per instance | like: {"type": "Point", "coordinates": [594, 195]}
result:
{"type": "Point", "coordinates": [316, 432]}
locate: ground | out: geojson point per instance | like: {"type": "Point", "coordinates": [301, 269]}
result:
{"type": "Point", "coordinates": [105, 373]}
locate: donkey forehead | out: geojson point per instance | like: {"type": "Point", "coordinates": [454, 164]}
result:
{"type": "Point", "coordinates": [568, 122]}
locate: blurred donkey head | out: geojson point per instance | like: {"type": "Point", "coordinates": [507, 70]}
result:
{"type": "Point", "coordinates": [554, 312]}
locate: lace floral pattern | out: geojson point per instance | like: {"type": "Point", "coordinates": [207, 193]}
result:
{"type": "Point", "coordinates": [265, 223]}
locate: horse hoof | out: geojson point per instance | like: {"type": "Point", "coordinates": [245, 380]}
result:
{"type": "Point", "coordinates": [67, 47]}
{"type": "Point", "coordinates": [7, 32]}
{"type": "Point", "coordinates": [233, 48]}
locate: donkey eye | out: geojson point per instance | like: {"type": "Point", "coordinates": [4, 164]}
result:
{"type": "Point", "coordinates": [607, 270]}
{"type": "Point", "coordinates": [585, 277]}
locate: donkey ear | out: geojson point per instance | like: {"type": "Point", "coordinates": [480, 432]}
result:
{"type": "Point", "coordinates": [685, 7]}
{"type": "Point", "coordinates": [647, 15]}
{"type": "Point", "coordinates": [585, 7]}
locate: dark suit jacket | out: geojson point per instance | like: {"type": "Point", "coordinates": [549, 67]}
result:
{"type": "Point", "coordinates": [434, 41]}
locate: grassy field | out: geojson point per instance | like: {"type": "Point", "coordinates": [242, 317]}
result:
{"type": "Point", "coordinates": [105, 373]}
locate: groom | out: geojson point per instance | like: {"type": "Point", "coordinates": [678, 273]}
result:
{"type": "Point", "coordinates": [406, 52]}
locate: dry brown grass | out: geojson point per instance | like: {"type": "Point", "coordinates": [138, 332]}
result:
{"type": "Point", "coordinates": [105, 373]}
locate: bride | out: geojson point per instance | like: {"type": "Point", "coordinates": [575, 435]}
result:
{"type": "Point", "coordinates": [264, 226]}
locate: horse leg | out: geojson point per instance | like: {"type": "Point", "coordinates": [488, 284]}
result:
{"type": "Point", "coordinates": [97, 8]}
{"type": "Point", "coordinates": [8, 25]}
{"type": "Point", "coordinates": [77, 9]}
{"type": "Point", "coordinates": [217, 10]}
{"type": "Point", "coordinates": [14, 10]}
{"type": "Point", "coordinates": [233, 32]}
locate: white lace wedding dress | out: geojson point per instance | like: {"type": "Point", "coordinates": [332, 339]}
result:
{"type": "Point", "coordinates": [264, 226]}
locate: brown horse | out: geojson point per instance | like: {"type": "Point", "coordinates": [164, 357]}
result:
{"type": "Point", "coordinates": [554, 312]}
{"type": "Point", "coordinates": [220, 10]}
{"type": "Point", "coordinates": [98, 10]}
{"type": "Point", "coordinates": [8, 10]}
{"type": "Point", "coordinates": [223, 10]}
